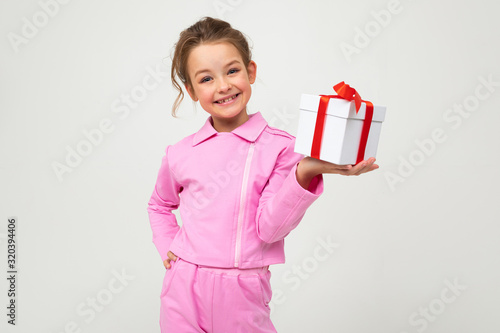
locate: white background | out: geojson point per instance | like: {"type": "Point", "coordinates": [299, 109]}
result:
{"type": "Point", "coordinates": [428, 218]}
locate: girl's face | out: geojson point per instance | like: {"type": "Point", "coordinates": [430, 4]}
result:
{"type": "Point", "coordinates": [221, 82]}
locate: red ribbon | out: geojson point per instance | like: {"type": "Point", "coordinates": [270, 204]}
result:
{"type": "Point", "coordinates": [348, 93]}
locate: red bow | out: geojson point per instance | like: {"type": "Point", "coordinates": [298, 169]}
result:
{"type": "Point", "coordinates": [348, 93]}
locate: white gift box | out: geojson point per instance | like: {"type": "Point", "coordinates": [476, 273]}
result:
{"type": "Point", "coordinates": [342, 129]}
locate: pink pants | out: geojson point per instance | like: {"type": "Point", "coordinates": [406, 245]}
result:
{"type": "Point", "coordinates": [197, 298]}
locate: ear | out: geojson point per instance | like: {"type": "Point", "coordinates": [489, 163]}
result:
{"type": "Point", "coordinates": [252, 71]}
{"type": "Point", "coordinates": [190, 91]}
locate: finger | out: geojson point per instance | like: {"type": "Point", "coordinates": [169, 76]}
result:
{"type": "Point", "coordinates": [362, 167]}
{"type": "Point", "coordinates": [369, 166]}
{"type": "Point", "coordinates": [357, 169]}
{"type": "Point", "coordinates": [166, 263]}
{"type": "Point", "coordinates": [363, 170]}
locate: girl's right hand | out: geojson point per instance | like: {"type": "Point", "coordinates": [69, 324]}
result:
{"type": "Point", "coordinates": [171, 256]}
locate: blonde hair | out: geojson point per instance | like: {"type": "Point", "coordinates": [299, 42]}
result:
{"type": "Point", "coordinates": [206, 30]}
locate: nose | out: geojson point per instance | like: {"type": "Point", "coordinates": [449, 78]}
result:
{"type": "Point", "coordinates": [224, 85]}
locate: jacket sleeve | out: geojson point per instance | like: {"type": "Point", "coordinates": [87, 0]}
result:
{"type": "Point", "coordinates": [284, 202]}
{"type": "Point", "coordinates": [164, 199]}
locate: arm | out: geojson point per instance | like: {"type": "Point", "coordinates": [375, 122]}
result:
{"type": "Point", "coordinates": [284, 201]}
{"type": "Point", "coordinates": [164, 199]}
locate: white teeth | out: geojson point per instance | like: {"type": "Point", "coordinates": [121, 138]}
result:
{"type": "Point", "coordinates": [226, 100]}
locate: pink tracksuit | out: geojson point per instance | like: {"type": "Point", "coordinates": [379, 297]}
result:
{"type": "Point", "coordinates": [238, 197]}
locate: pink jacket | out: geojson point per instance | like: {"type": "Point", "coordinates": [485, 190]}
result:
{"type": "Point", "coordinates": [237, 194]}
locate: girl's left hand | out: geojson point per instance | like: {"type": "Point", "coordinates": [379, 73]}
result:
{"type": "Point", "coordinates": [315, 166]}
{"type": "Point", "coordinates": [310, 167]}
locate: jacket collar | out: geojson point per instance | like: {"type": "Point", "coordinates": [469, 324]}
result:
{"type": "Point", "coordinates": [249, 130]}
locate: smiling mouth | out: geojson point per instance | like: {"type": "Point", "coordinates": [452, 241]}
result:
{"type": "Point", "coordinates": [226, 99]}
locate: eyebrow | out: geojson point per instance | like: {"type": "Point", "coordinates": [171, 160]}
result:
{"type": "Point", "coordinates": [228, 65]}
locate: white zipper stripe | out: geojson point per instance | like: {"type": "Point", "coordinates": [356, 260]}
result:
{"type": "Point", "coordinates": [241, 212]}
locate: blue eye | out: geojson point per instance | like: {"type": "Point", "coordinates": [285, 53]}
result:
{"type": "Point", "coordinates": [233, 70]}
{"type": "Point", "coordinates": [205, 79]}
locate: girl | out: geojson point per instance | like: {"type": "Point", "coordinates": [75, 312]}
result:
{"type": "Point", "coordinates": [240, 189]}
